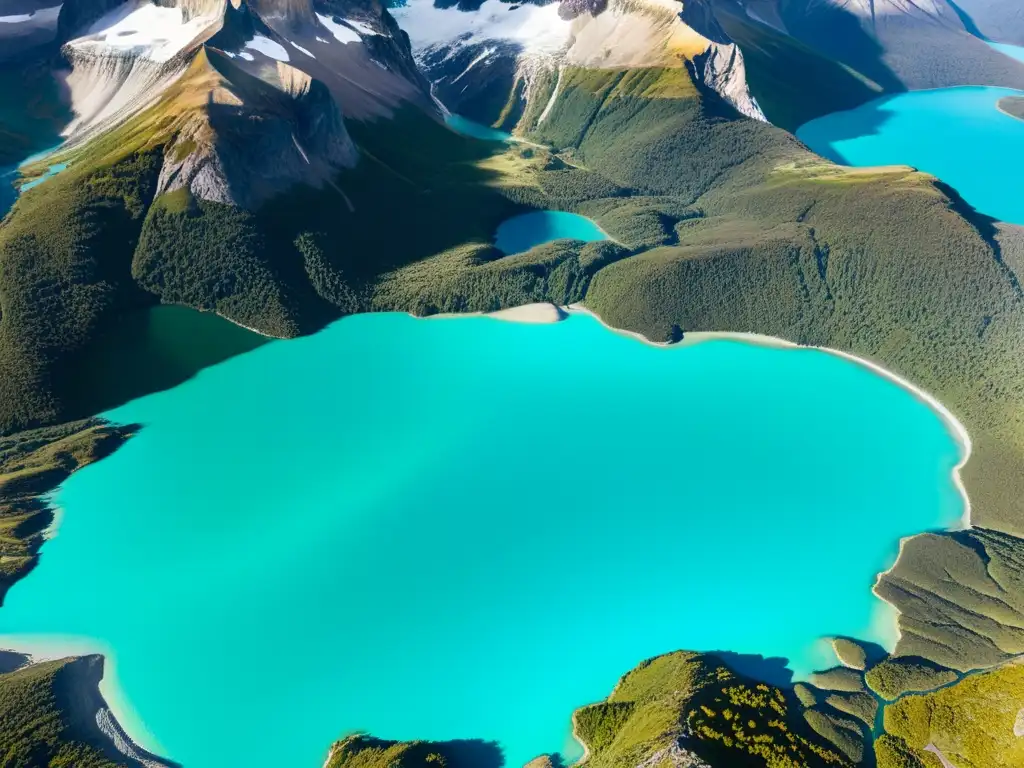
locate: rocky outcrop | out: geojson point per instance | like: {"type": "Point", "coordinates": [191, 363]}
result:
{"type": "Point", "coordinates": [485, 60]}
{"type": "Point", "coordinates": [721, 69]}
{"type": "Point", "coordinates": [244, 140]}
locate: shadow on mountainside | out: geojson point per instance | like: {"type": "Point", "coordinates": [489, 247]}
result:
{"type": "Point", "coordinates": [773, 670]}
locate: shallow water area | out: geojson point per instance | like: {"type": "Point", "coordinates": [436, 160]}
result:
{"type": "Point", "coordinates": [9, 175]}
{"type": "Point", "coordinates": [467, 127]}
{"type": "Point", "coordinates": [1013, 51]}
{"type": "Point", "coordinates": [956, 134]}
{"type": "Point", "coordinates": [523, 232]}
{"type": "Point", "coordinates": [466, 528]}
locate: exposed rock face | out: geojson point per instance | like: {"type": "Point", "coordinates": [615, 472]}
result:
{"type": "Point", "coordinates": [673, 757]}
{"type": "Point", "coordinates": [484, 57]}
{"type": "Point", "coordinates": [285, 14]}
{"type": "Point", "coordinates": [233, 149]}
{"type": "Point", "coordinates": [107, 87]}
{"type": "Point", "coordinates": [723, 71]}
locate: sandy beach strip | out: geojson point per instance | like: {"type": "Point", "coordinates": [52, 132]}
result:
{"type": "Point", "coordinates": [951, 422]}
{"type": "Point", "coordinates": [39, 648]}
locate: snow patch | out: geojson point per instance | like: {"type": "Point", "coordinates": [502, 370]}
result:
{"type": "Point", "coordinates": [149, 30]}
{"type": "Point", "coordinates": [361, 28]}
{"type": "Point", "coordinates": [487, 52]}
{"type": "Point", "coordinates": [300, 48]}
{"type": "Point", "coordinates": [268, 47]}
{"type": "Point", "coordinates": [554, 97]}
{"type": "Point", "coordinates": [538, 29]}
{"type": "Point", "coordinates": [15, 19]}
{"type": "Point", "coordinates": [341, 33]}
{"type": "Point", "coordinates": [242, 55]}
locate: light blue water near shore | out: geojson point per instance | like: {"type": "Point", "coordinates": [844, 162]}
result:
{"type": "Point", "coordinates": [9, 175]}
{"type": "Point", "coordinates": [467, 127]}
{"type": "Point", "coordinates": [52, 171]}
{"type": "Point", "coordinates": [468, 527]}
{"type": "Point", "coordinates": [523, 232]}
{"type": "Point", "coordinates": [1013, 51]}
{"type": "Point", "coordinates": [956, 134]}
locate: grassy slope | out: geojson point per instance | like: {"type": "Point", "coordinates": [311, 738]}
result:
{"type": "Point", "coordinates": [692, 703]}
{"type": "Point", "coordinates": [972, 724]}
{"type": "Point", "coordinates": [368, 752]}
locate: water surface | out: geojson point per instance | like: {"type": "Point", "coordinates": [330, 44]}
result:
{"type": "Point", "coordinates": [467, 127]}
{"type": "Point", "coordinates": [148, 350]}
{"type": "Point", "coordinates": [956, 134]}
{"type": "Point", "coordinates": [1013, 51]}
{"type": "Point", "coordinates": [523, 232]}
{"type": "Point", "coordinates": [10, 174]}
{"type": "Point", "coordinates": [467, 528]}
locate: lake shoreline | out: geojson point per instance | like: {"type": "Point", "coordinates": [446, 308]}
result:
{"type": "Point", "coordinates": [114, 696]}
{"type": "Point", "coordinates": [102, 695]}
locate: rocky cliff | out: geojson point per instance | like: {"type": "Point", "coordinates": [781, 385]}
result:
{"type": "Point", "coordinates": [492, 61]}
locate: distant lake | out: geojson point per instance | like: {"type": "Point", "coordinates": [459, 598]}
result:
{"type": "Point", "coordinates": [523, 232]}
{"type": "Point", "coordinates": [467, 528]}
{"type": "Point", "coordinates": [10, 175]}
{"type": "Point", "coordinates": [467, 127]}
{"type": "Point", "coordinates": [955, 134]}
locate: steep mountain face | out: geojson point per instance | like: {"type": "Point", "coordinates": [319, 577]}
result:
{"type": "Point", "coordinates": [491, 61]}
{"type": "Point", "coordinates": [26, 24]}
{"type": "Point", "coordinates": [898, 44]}
{"type": "Point", "coordinates": [1001, 21]}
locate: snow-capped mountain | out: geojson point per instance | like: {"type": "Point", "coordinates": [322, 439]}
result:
{"type": "Point", "coordinates": [485, 59]}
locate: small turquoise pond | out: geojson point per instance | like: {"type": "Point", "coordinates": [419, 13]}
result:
{"type": "Point", "coordinates": [52, 171]}
{"type": "Point", "coordinates": [467, 127]}
{"type": "Point", "coordinates": [521, 233]}
{"type": "Point", "coordinates": [466, 528]}
{"type": "Point", "coordinates": [956, 134]}
{"type": "Point", "coordinates": [9, 175]}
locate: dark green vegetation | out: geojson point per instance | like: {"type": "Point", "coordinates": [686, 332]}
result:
{"type": "Point", "coordinates": [368, 752]}
{"type": "Point", "coordinates": [47, 717]}
{"type": "Point", "coordinates": [1013, 106]}
{"type": "Point", "coordinates": [961, 597]}
{"type": "Point", "coordinates": [692, 706]}
{"type": "Point", "coordinates": [895, 676]}
{"type": "Point", "coordinates": [975, 724]}
{"type": "Point", "coordinates": [32, 464]}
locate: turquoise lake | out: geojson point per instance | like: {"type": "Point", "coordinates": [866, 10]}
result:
{"type": "Point", "coordinates": [523, 232]}
{"type": "Point", "coordinates": [10, 174]}
{"type": "Point", "coordinates": [467, 127]}
{"type": "Point", "coordinates": [466, 528]}
{"type": "Point", "coordinates": [955, 134]}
